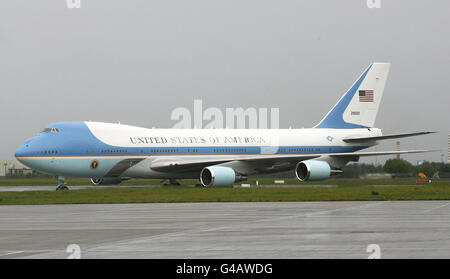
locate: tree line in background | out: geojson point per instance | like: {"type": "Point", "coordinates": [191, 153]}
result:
{"type": "Point", "coordinates": [397, 167]}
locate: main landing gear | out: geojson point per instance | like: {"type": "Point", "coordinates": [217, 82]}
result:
{"type": "Point", "coordinates": [62, 184]}
{"type": "Point", "coordinates": [172, 182]}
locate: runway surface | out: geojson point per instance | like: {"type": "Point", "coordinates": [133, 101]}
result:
{"type": "Point", "coordinates": [408, 229]}
{"type": "Point", "coordinates": [82, 187]}
{"type": "Point", "coordinates": [77, 187]}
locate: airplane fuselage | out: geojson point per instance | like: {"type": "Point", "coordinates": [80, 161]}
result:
{"type": "Point", "coordinates": [93, 149]}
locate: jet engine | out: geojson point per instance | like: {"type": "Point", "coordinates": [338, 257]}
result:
{"type": "Point", "coordinates": [218, 176]}
{"type": "Point", "coordinates": [313, 170]}
{"type": "Point", "coordinates": [106, 181]}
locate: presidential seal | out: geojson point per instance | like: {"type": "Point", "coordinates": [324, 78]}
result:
{"type": "Point", "coordinates": [94, 164]}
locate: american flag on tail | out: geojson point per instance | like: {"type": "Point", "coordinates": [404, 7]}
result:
{"type": "Point", "coordinates": [366, 95]}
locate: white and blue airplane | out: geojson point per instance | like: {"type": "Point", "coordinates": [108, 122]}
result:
{"type": "Point", "coordinates": [110, 153]}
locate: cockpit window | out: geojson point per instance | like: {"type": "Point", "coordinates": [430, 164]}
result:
{"type": "Point", "coordinates": [50, 130]}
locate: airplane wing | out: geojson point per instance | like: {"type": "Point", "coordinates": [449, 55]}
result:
{"type": "Point", "coordinates": [355, 155]}
{"type": "Point", "coordinates": [396, 136]}
{"type": "Point", "coordinates": [197, 164]}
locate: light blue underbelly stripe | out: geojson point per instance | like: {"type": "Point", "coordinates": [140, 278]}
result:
{"type": "Point", "coordinates": [73, 167]}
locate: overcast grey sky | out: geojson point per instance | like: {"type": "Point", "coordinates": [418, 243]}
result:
{"type": "Point", "coordinates": [135, 61]}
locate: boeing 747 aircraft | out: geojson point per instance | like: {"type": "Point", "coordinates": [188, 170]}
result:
{"type": "Point", "coordinates": [110, 153]}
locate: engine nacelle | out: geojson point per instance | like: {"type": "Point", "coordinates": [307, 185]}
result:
{"type": "Point", "coordinates": [312, 170]}
{"type": "Point", "coordinates": [218, 176]}
{"type": "Point", "coordinates": [106, 181]}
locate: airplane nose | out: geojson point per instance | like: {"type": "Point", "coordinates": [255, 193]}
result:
{"type": "Point", "coordinates": [23, 150]}
{"type": "Point", "coordinates": [20, 151]}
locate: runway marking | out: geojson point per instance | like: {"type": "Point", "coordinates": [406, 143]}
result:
{"type": "Point", "coordinates": [434, 208]}
{"type": "Point", "coordinates": [11, 253]}
{"type": "Point", "coordinates": [33, 251]}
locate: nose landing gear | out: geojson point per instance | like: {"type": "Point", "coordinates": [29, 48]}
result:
{"type": "Point", "coordinates": [62, 185]}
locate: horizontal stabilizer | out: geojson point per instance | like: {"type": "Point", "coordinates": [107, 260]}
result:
{"type": "Point", "coordinates": [396, 136]}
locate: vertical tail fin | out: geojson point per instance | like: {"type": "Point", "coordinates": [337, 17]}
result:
{"type": "Point", "coordinates": [359, 106]}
